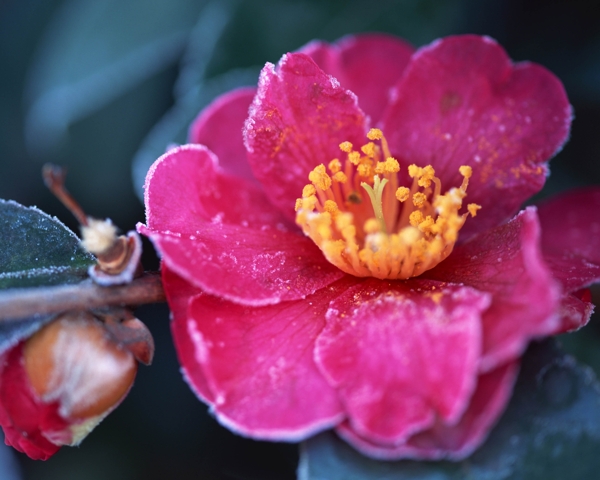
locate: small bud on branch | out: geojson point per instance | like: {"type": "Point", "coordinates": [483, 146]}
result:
{"type": "Point", "coordinates": [118, 256]}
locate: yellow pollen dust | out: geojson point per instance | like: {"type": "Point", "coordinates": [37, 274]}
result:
{"type": "Point", "coordinates": [368, 225]}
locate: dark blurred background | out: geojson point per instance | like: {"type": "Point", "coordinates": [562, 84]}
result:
{"type": "Point", "coordinates": [103, 87]}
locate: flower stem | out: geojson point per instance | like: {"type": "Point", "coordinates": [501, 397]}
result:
{"type": "Point", "coordinates": [23, 303]}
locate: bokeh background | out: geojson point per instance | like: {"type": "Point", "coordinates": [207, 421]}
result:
{"type": "Point", "coordinates": [102, 87]}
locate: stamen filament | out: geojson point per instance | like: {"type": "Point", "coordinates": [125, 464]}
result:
{"type": "Point", "coordinates": [403, 233]}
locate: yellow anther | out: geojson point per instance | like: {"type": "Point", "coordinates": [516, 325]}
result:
{"type": "Point", "coordinates": [404, 239]}
{"type": "Point", "coordinates": [391, 165]}
{"type": "Point", "coordinates": [343, 220]}
{"type": "Point", "coordinates": [466, 171]}
{"type": "Point", "coordinates": [331, 207]}
{"type": "Point", "coordinates": [402, 194]}
{"type": "Point", "coordinates": [346, 147]}
{"type": "Point", "coordinates": [354, 158]}
{"type": "Point", "coordinates": [419, 199]}
{"type": "Point", "coordinates": [473, 207]}
{"type": "Point", "coordinates": [365, 170]}
{"type": "Point", "coordinates": [416, 218]}
{"type": "Point", "coordinates": [348, 232]}
{"type": "Point", "coordinates": [426, 175]}
{"type": "Point", "coordinates": [414, 171]}
{"type": "Point", "coordinates": [371, 226]}
{"type": "Point", "coordinates": [375, 134]}
{"type": "Point", "coordinates": [319, 178]}
{"type": "Point", "coordinates": [426, 225]}
{"type": "Point", "coordinates": [309, 190]}
{"type": "Point", "coordinates": [369, 149]}
{"type": "Point", "coordinates": [340, 177]}
{"type": "Point", "coordinates": [409, 235]}
{"type": "Point", "coordinates": [309, 203]}
{"type": "Point", "coordinates": [335, 166]}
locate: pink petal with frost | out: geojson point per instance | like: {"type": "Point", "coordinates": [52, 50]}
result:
{"type": "Point", "coordinates": [462, 102]}
{"type": "Point", "coordinates": [453, 442]}
{"type": "Point", "coordinates": [221, 234]}
{"type": "Point", "coordinates": [573, 272]}
{"type": "Point", "coordinates": [571, 247]}
{"type": "Point", "coordinates": [368, 65]}
{"type": "Point", "coordinates": [179, 295]}
{"type": "Point", "coordinates": [185, 188]}
{"type": "Point", "coordinates": [243, 265]}
{"type": "Point", "coordinates": [507, 262]}
{"type": "Point", "coordinates": [259, 364]}
{"type": "Point", "coordinates": [219, 127]}
{"type": "Point", "coordinates": [571, 237]}
{"type": "Point", "coordinates": [298, 118]}
{"type": "Point", "coordinates": [401, 354]}
{"type": "Point", "coordinates": [575, 311]}
{"type": "Point", "coordinates": [571, 269]}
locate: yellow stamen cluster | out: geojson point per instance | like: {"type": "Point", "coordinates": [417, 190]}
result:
{"type": "Point", "coordinates": [366, 229]}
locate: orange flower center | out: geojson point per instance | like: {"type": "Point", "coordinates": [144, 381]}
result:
{"type": "Point", "coordinates": [368, 230]}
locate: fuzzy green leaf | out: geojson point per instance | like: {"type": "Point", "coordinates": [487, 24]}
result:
{"type": "Point", "coordinates": [37, 250]}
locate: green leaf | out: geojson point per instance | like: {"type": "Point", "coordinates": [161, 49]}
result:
{"type": "Point", "coordinates": [92, 52]}
{"type": "Point", "coordinates": [550, 431]}
{"type": "Point", "coordinates": [36, 249]}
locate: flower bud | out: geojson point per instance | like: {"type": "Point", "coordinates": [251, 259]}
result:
{"type": "Point", "coordinates": [60, 383]}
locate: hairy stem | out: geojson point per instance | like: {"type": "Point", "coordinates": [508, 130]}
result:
{"type": "Point", "coordinates": [25, 303]}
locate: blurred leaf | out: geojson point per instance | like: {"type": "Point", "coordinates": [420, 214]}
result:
{"type": "Point", "coordinates": [173, 127]}
{"type": "Point", "coordinates": [201, 45]}
{"type": "Point", "coordinates": [550, 431]}
{"type": "Point", "coordinates": [92, 52]}
{"type": "Point", "coordinates": [36, 249]}
{"type": "Point", "coordinates": [264, 31]}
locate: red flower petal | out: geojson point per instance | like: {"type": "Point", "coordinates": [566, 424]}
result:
{"type": "Point", "coordinates": [298, 118]}
{"type": "Point", "coordinates": [571, 247]}
{"type": "Point", "coordinates": [575, 312]}
{"type": "Point", "coordinates": [179, 295]}
{"type": "Point", "coordinates": [401, 354]}
{"type": "Point", "coordinates": [22, 417]}
{"type": "Point", "coordinates": [462, 102]}
{"type": "Point", "coordinates": [454, 442]}
{"type": "Point", "coordinates": [219, 128]}
{"type": "Point", "coordinates": [221, 234]}
{"type": "Point", "coordinates": [185, 188]}
{"type": "Point", "coordinates": [368, 65]}
{"type": "Point", "coordinates": [506, 262]}
{"type": "Point", "coordinates": [259, 364]}
{"type": "Point", "coordinates": [244, 265]}
{"type": "Point", "coordinates": [571, 237]}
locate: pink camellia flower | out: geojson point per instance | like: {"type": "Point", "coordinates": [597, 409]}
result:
{"type": "Point", "coordinates": [356, 261]}
{"type": "Point", "coordinates": [56, 386]}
